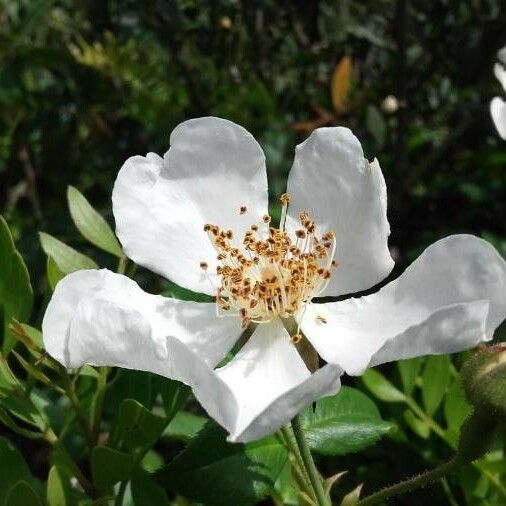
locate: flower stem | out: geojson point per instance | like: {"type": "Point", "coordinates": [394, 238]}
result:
{"type": "Point", "coordinates": [314, 477]}
{"type": "Point", "coordinates": [299, 468]}
{"type": "Point", "coordinates": [413, 483]}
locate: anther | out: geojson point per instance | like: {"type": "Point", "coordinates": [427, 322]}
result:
{"type": "Point", "coordinates": [243, 209]}
{"type": "Point", "coordinates": [296, 338]}
{"type": "Point", "coordinates": [266, 218]}
{"type": "Point", "coordinates": [204, 266]}
{"type": "Point", "coordinates": [285, 199]}
{"type": "Point", "coordinates": [321, 319]}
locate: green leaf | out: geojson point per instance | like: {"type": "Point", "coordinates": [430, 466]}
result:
{"type": "Point", "coordinates": [13, 469]}
{"type": "Point", "coordinates": [109, 466]}
{"type": "Point", "coordinates": [22, 494]}
{"type": "Point", "coordinates": [344, 423]}
{"type": "Point", "coordinates": [15, 400]}
{"type": "Point", "coordinates": [53, 273]}
{"type": "Point", "coordinates": [138, 427]}
{"type": "Point", "coordinates": [456, 407]}
{"type": "Point", "coordinates": [67, 259]}
{"type": "Point", "coordinates": [91, 224]}
{"type": "Point", "coordinates": [146, 492]}
{"type": "Point", "coordinates": [408, 370]}
{"type": "Point", "coordinates": [435, 379]}
{"type": "Point", "coordinates": [379, 386]}
{"type": "Point", "coordinates": [185, 426]}
{"type": "Point", "coordinates": [16, 294]}
{"type": "Point", "coordinates": [213, 471]}
{"type": "Point", "coordinates": [59, 490]}
{"type": "Point", "coordinates": [174, 395]}
{"type": "Point", "coordinates": [416, 425]}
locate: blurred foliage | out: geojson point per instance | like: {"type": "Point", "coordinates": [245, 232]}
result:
{"type": "Point", "coordinates": [86, 84]}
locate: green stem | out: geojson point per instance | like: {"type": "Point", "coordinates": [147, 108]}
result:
{"type": "Point", "coordinates": [305, 453]}
{"type": "Point", "coordinates": [88, 487]}
{"type": "Point", "coordinates": [99, 402]}
{"type": "Point", "coordinates": [301, 476]}
{"type": "Point", "coordinates": [80, 414]}
{"type": "Point", "coordinates": [413, 483]}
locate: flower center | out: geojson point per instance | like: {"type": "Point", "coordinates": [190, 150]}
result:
{"type": "Point", "coordinates": [274, 274]}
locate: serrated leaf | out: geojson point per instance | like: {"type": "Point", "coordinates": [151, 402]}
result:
{"type": "Point", "coordinates": [53, 273]}
{"type": "Point", "coordinates": [435, 380]}
{"type": "Point", "coordinates": [344, 423]}
{"type": "Point", "coordinates": [341, 83]}
{"type": "Point", "coordinates": [109, 466]}
{"type": "Point", "coordinates": [91, 224]}
{"type": "Point", "coordinates": [379, 386]}
{"type": "Point", "coordinates": [16, 294]}
{"type": "Point", "coordinates": [22, 494]}
{"type": "Point", "coordinates": [66, 258]}
{"type": "Point", "coordinates": [212, 471]}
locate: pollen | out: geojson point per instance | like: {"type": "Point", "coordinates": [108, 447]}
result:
{"type": "Point", "coordinates": [243, 210]}
{"type": "Point", "coordinates": [272, 273]}
{"type": "Point", "coordinates": [204, 266]}
{"type": "Point", "coordinates": [321, 319]}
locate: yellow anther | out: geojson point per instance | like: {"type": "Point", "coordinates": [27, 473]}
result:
{"type": "Point", "coordinates": [285, 199]}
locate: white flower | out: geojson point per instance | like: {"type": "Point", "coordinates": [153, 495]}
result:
{"type": "Point", "coordinates": [198, 216]}
{"type": "Point", "coordinates": [497, 104]}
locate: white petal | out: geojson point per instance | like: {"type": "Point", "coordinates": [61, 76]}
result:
{"type": "Point", "coordinates": [343, 192]}
{"type": "Point", "coordinates": [212, 168]}
{"type": "Point", "coordinates": [500, 74]}
{"type": "Point", "coordinates": [501, 55]}
{"type": "Point", "coordinates": [271, 383]}
{"type": "Point", "coordinates": [498, 112]}
{"type": "Point", "coordinates": [103, 318]}
{"type": "Point", "coordinates": [449, 299]}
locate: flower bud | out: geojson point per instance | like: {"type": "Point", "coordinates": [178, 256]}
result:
{"type": "Point", "coordinates": [484, 380]}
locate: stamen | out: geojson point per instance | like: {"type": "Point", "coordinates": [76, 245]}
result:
{"type": "Point", "coordinates": [273, 276]}
{"type": "Point", "coordinates": [243, 210]}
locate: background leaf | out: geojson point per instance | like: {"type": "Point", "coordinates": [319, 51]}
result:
{"type": "Point", "coordinates": [435, 379]}
{"type": "Point", "coordinates": [213, 471]}
{"type": "Point", "coordinates": [16, 295]}
{"type": "Point", "coordinates": [67, 259]}
{"type": "Point", "coordinates": [381, 387]}
{"type": "Point", "coordinates": [91, 224]}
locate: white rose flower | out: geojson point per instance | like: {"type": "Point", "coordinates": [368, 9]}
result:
{"type": "Point", "coordinates": [199, 217]}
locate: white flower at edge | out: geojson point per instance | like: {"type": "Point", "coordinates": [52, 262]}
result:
{"type": "Point", "coordinates": [497, 104]}
{"type": "Point", "coordinates": [185, 215]}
